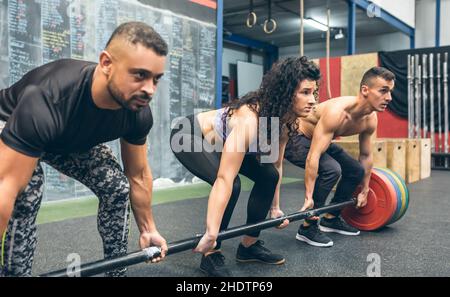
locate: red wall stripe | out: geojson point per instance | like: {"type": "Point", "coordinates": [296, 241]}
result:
{"type": "Point", "coordinates": [391, 126]}
{"type": "Point", "coordinates": [335, 82]}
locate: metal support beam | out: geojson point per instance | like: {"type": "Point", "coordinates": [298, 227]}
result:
{"type": "Point", "coordinates": [243, 9]}
{"type": "Point", "coordinates": [219, 50]}
{"type": "Point", "coordinates": [412, 42]}
{"type": "Point", "coordinates": [388, 18]}
{"type": "Point", "coordinates": [351, 46]}
{"type": "Point", "coordinates": [438, 22]}
{"type": "Point", "coordinates": [271, 51]}
{"type": "Point", "coordinates": [247, 42]}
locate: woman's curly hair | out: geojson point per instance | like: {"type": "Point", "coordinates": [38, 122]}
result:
{"type": "Point", "coordinates": [277, 90]}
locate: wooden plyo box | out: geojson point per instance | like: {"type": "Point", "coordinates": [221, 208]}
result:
{"type": "Point", "coordinates": [396, 155]}
{"type": "Point", "coordinates": [418, 159]}
{"type": "Point", "coordinates": [425, 158]}
{"type": "Point", "coordinates": [412, 160]}
{"type": "Point", "coordinates": [379, 150]}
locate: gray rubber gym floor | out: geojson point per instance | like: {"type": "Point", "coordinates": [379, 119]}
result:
{"type": "Point", "coordinates": [417, 245]}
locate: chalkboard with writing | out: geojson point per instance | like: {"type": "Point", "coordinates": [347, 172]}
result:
{"type": "Point", "coordinates": [35, 32]}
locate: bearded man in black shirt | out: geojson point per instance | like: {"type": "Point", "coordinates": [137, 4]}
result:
{"type": "Point", "coordinates": [62, 113]}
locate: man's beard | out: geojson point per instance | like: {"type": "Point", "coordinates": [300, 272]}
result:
{"type": "Point", "coordinates": [119, 98]}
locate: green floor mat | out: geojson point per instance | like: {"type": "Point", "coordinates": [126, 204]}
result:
{"type": "Point", "coordinates": [82, 207]}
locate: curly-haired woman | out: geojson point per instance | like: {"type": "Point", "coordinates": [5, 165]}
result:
{"type": "Point", "coordinates": [225, 142]}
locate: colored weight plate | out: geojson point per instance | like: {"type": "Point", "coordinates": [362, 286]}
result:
{"type": "Point", "coordinates": [403, 191]}
{"type": "Point", "coordinates": [398, 192]}
{"type": "Point", "coordinates": [406, 204]}
{"type": "Point", "coordinates": [405, 195]}
{"type": "Point", "coordinates": [381, 205]}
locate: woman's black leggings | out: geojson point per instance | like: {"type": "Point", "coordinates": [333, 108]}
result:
{"type": "Point", "coordinates": [204, 163]}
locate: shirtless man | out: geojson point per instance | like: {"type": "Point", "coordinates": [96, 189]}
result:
{"type": "Point", "coordinates": [325, 162]}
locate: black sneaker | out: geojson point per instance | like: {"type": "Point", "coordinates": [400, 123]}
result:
{"type": "Point", "coordinates": [313, 236]}
{"type": "Point", "coordinates": [257, 253]}
{"type": "Point", "coordinates": [214, 265]}
{"type": "Point", "coordinates": [337, 225]}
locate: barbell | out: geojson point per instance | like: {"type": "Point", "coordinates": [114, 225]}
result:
{"type": "Point", "coordinates": [387, 202]}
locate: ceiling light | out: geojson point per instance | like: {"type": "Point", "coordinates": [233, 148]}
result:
{"type": "Point", "coordinates": [316, 24]}
{"type": "Point", "coordinates": [340, 35]}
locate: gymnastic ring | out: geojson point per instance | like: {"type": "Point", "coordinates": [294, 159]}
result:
{"type": "Point", "coordinates": [274, 25]}
{"type": "Point", "coordinates": [251, 19]}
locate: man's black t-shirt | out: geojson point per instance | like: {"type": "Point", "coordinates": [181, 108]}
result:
{"type": "Point", "coordinates": [51, 110]}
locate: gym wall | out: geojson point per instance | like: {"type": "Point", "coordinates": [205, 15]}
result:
{"type": "Point", "coordinates": [426, 24]}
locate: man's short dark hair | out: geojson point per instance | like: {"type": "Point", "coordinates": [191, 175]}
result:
{"type": "Point", "coordinates": [375, 72]}
{"type": "Point", "coordinates": [139, 32]}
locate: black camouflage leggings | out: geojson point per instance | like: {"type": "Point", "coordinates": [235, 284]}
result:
{"type": "Point", "coordinates": [100, 171]}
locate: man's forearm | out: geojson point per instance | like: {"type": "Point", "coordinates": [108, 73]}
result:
{"type": "Point", "coordinates": [141, 203]}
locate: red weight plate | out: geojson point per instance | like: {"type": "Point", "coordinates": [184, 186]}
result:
{"type": "Point", "coordinates": [381, 205]}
